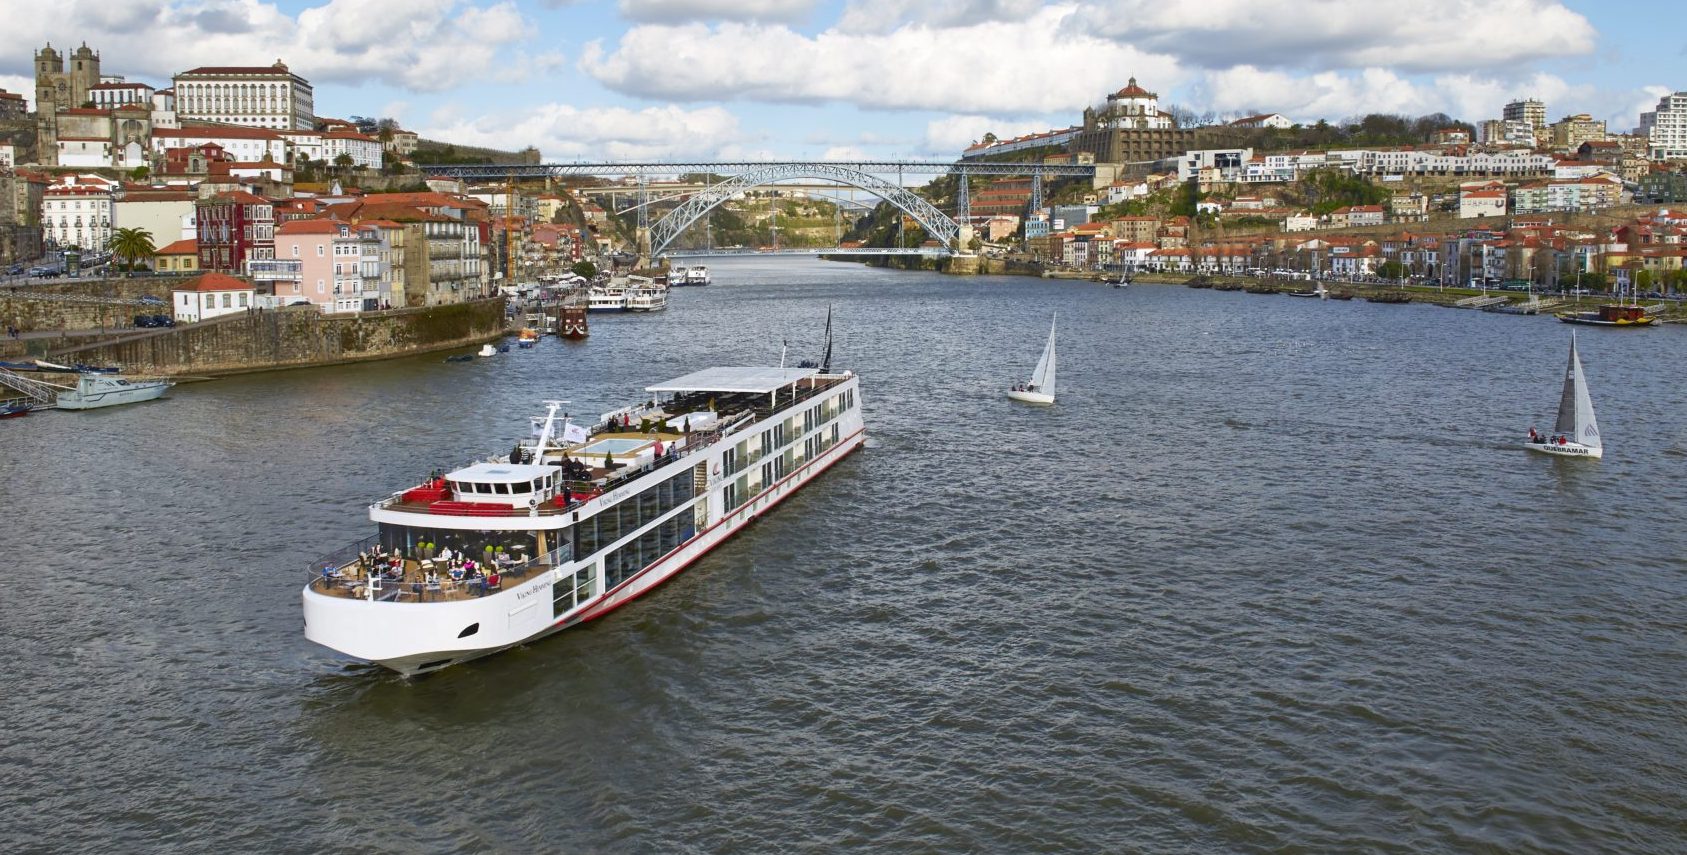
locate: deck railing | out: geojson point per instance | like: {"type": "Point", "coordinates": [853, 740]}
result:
{"type": "Point", "coordinates": [344, 580]}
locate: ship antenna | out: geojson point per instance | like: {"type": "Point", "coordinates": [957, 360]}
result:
{"type": "Point", "coordinates": [550, 427]}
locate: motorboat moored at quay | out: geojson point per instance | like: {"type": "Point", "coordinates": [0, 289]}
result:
{"type": "Point", "coordinates": [648, 299]}
{"type": "Point", "coordinates": [93, 391]}
{"type": "Point", "coordinates": [576, 522]}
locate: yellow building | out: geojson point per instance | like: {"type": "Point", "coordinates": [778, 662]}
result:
{"type": "Point", "coordinates": [179, 257]}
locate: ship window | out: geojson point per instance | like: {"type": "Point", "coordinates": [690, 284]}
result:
{"type": "Point", "coordinates": [469, 630]}
{"type": "Point", "coordinates": [501, 489]}
{"type": "Point", "coordinates": [608, 527]}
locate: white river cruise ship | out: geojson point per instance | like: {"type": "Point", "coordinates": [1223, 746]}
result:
{"type": "Point", "coordinates": [576, 522]}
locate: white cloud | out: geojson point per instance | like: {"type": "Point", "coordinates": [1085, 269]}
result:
{"type": "Point", "coordinates": [883, 16]}
{"type": "Point", "coordinates": [565, 132]}
{"type": "Point", "coordinates": [1337, 95]}
{"type": "Point", "coordinates": [675, 11]}
{"type": "Point", "coordinates": [950, 134]}
{"type": "Point", "coordinates": [421, 45]}
{"type": "Point", "coordinates": [1424, 35]}
{"type": "Point", "coordinates": [988, 67]}
{"type": "Point", "coordinates": [844, 152]}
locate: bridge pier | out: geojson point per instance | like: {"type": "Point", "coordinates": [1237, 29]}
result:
{"type": "Point", "coordinates": [643, 249]}
{"type": "Point", "coordinates": [962, 265]}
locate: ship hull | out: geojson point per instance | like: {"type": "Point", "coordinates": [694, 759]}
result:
{"type": "Point", "coordinates": [1568, 449]}
{"type": "Point", "coordinates": [414, 639]}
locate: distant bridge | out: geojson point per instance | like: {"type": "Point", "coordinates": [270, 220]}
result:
{"type": "Point", "coordinates": [864, 251]}
{"type": "Point", "coordinates": [741, 176]}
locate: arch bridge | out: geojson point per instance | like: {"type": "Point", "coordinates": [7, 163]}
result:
{"type": "Point", "coordinates": [742, 176]}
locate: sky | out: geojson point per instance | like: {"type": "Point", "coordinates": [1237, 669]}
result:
{"type": "Point", "coordinates": [853, 79]}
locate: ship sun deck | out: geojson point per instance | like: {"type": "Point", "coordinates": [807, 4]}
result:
{"type": "Point", "coordinates": [408, 581]}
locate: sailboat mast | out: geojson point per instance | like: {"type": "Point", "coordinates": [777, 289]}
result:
{"type": "Point", "coordinates": [826, 360]}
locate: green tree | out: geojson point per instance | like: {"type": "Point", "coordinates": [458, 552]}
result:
{"type": "Point", "coordinates": [1643, 280]}
{"type": "Point", "coordinates": [1391, 269]}
{"type": "Point", "coordinates": [584, 269]}
{"type": "Point", "coordinates": [132, 245]}
{"type": "Point", "coordinates": [344, 162]}
{"type": "Point", "coordinates": [140, 173]}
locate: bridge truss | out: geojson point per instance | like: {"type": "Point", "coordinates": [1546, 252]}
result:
{"type": "Point", "coordinates": [747, 175]}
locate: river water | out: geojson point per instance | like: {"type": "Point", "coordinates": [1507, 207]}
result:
{"type": "Point", "coordinates": [1274, 575]}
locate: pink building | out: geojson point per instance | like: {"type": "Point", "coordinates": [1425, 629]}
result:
{"type": "Point", "coordinates": [319, 262]}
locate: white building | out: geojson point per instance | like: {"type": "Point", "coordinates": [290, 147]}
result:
{"type": "Point", "coordinates": [169, 215]}
{"type": "Point", "coordinates": [77, 210]}
{"type": "Point", "coordinates": [108, 95]}
{"type": "Point", "coordinates": [1264, 120]}
{"type": "Point", "coordinates": [1666, 128]}
{"type": "Point", "coordinates": [1133, 107]}
{"type": "Point", "coordinates": [364, 151]}
{"type": "Point", "coordinates": [258, 97]}
{"type": "Point", "coordinates": [1481, 203]}
{"type": "Point", "coordinates": [164, 109]}
{"type": "Point", "coordinates": [210, 295]}
{"type": "Point", "coordinates": [247, 145]}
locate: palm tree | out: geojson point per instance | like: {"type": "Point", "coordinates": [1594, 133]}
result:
{"type": "Point", "coordinates": [132, 245]}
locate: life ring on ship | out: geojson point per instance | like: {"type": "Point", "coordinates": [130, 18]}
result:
{"type": "Point", "coordinates": [533, 504]}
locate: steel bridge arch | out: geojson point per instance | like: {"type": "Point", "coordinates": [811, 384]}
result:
{"type": "Point", "coordinates": [936, 223]}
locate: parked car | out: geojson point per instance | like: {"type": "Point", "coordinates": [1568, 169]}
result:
{"type": "Point", "coordinates": [154, 321]}
{"type": "Point", "coordinates": [15, 270]}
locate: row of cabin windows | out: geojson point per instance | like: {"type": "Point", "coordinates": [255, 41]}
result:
{"type": "Point", "coordinates": [608, 525]}
{"type": "Point", "coordinates": [735, 494]}
{"type": "Point", "coordinates": [518, 488]}
{"type": "Point", "coordinates": [735, 460]}
{"type": "Point", "coordinates": [572, 591]}
{"type": "Point", "coordinates": [635, 555]}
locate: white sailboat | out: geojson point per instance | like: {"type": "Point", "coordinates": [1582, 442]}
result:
{"type": "Point", "coordinates": [1576, 434]}
{"type": "Point", "coordinates": [1041, 388]}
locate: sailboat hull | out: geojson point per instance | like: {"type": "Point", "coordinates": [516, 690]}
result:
{"type": "Point", "coordinates": [1568, 449]}
{"type": "Point", "coordinates": [1030, 397]}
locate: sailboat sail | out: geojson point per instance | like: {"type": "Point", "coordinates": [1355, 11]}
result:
{"type": "Point", "coordinates": [1575, 406]}
{"type": "Point", "coordinates": [1042, 378]}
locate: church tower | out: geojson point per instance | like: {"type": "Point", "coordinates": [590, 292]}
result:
{"type": "Point", "coordinates": [84, 74]}
{"type": "Point", "coordinates": [49, 80]}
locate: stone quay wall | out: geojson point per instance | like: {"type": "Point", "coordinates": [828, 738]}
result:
{"type": "Point", "coordinates": [79, 304]}
{"type": "Point", "coordinates": [294, 338]}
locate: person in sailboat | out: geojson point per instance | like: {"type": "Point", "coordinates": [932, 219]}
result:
{"type": "Point", "coordinates": [1534, 436]}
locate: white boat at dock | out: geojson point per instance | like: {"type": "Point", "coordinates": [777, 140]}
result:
{"type": "Point", "coordinates": [606, 298]}
{"type": "Point", "coordinates": [647, 299]}
{"type": "Point", "coordinates": [575, 523]}
{"type": "Point", "coordinates": [93, 391]}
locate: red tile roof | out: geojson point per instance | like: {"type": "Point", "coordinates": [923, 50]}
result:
{"type": "Point", "coordinates": [309, 227]}
{"type": "Point", "coordinates": [181, 247]}
{"type": "Point", "coordinates": [214, 282]}
{"type": "Point", "coordinates": [267, 70]}
{"type": "Point", "coordinates": [219, 132]}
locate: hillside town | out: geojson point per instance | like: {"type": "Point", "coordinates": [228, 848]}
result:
{"type": "Point", "coordinates": [1510, 198]}
{"type": "Point", "coordinates": [229, 171]}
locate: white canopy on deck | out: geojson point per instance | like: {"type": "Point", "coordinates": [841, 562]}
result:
{"type": "Point", "coordinates": [760, 381]}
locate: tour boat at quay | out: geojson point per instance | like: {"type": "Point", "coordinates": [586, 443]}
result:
{"type": "Point", "coordinates": [576, 522]}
